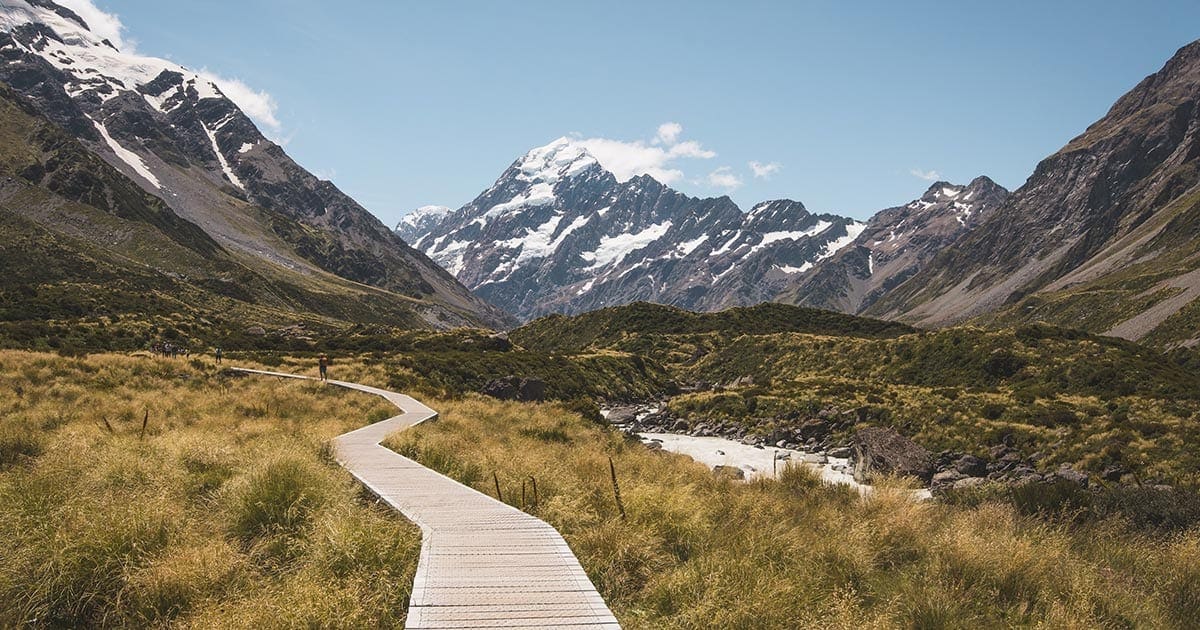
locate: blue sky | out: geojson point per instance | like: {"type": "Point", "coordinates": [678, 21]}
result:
{"type": "Point", "coordinates": [404, 104]}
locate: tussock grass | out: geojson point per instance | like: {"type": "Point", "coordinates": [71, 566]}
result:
{"type": "Point", "coordinates": [696, 551]}
{"type": "Point", "coordinates": [226, 514]}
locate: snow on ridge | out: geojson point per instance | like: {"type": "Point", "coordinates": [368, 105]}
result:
{"type": "Point", "coordinates": [125, 155]}
{"type": "Point", "coordinates": [614, 249]}
{"type": "Point", "coordinates": [539, 194]}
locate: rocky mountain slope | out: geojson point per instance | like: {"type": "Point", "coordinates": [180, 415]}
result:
{"type": "Point", "coordinates": [174, 133]}
{"type": "Point", "coordinates": [1101, 237]}
{"type": "Point", "coordinates": [896, 243]}
{"type": "Point", "coordinates": [557, 233]}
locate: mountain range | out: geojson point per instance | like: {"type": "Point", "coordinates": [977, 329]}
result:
{"type": "Point", "coordinates": [558, 233]}
{"type": "Point", "coordinates": [1101, 237]}
{"type": "Point", "coordinates": [200, 162]}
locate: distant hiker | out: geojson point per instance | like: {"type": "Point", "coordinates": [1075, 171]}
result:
{"type": "Point", "coordinates": [219, 355]}
{"type": "Point", "coordinates": [323, 363]}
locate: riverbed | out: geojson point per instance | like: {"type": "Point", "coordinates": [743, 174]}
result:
{"type": "Point", "coordinates": [759, 462]}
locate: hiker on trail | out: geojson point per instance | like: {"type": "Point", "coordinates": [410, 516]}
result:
{"type": "Point", "coordinates": [323, 363]}
{"type": "Point", "coordinates": [219, 355]}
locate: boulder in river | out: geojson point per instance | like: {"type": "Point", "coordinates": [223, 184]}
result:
{"type": "Point", "coordinates": [883, 451]}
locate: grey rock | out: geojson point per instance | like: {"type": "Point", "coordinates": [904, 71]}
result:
{"type": "Point", "coordinates": [732, 472]}
{"type": "Point", "coordinates": [883, 451]}
{"type": "Point", "coordinates": [971, 466]}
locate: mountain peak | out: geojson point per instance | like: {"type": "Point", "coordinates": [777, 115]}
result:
{"type": "Point", "coordinates": [564, 157]}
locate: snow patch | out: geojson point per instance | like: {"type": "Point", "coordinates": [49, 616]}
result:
{"type": "Point", "coordinates": [245, 148]}
{"type": "Point", "coordinates": [212, 138]}
{"type": "Point", "coordinates": [853, 229]}
{"type": "Point", "coordinates": [688, 247]}
{"type": "Point", "coordinates": [614, 249]}
{"type": "Point", "coordinates": [801, 269]}
{"type": "Point", "coordinates": [125, 155]}
{"type": "Point", "coordinates": [773, 237]}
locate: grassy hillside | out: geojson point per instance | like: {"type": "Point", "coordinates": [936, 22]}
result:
{"type": "Point", "coordinates": [1059, 396]}
{"type": "Point", "coordinates": [697, 551]}
{"type": "Point", "coordinates": [93, 262]}
{"type": "Point", "coordinates": [227, 512]}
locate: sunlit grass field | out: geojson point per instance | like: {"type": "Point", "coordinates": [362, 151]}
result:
{"type": "Point", "coordinates": [227, 511]}
{"type": "Point", "coordinates": [696, 551]}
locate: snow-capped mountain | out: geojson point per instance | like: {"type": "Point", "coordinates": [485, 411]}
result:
{"type": "Point", "coordinates": [895, 244]}
{"type": "Point", "coordinates": [419, 222]}
{"type": "Point", "coordinates": [174, 132]}
{"type": "Point", "coordinates": [558, 232]}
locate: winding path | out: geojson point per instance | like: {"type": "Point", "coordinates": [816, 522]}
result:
{"type": "Point", "coordinates": [484, 564]}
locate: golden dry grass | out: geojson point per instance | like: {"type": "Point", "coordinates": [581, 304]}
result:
{"type": "Point", "coordinates": [228, 513]}
{"type": "Point", "coordinates": [700, 552]}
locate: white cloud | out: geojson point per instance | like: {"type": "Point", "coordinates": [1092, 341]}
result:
{"type": "Point", "coordinates": [104, 25]}
{"type": "Point", "coordinates": [668, 133]}
{"type": "Point", "coordinates": [764, 171]}
{"type": "Point", "coordinates": [656, 158]}
{"type": "Point", "coordinates": [724, 177]}
{"type": "Point", "coordinates": [259, 105]}
{"type": "Point", "coordinates": [928, 176]}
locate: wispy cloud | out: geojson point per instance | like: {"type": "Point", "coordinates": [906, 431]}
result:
{"type": "Point", "coordinates": [724, 177]}
{"type": "Point", "coordinates": [657, 158]}
{"type": "Point", "coordinates": [928, 176]}
{"type": "Point", "coordinates": [259, 105]}
{"type": "Point", "coordinates": [764, 171]}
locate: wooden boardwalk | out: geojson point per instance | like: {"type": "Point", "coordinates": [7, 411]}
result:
{"type": "Point", "coordinates": [484, 563]}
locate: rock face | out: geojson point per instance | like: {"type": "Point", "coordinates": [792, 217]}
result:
{"type": "Point", "coordinates": [1102, 236]}
{"type": "Point", "coordinates": [883, 451]}
{"type": "Point", "coordinates": [175, 133]}
{"type": "Point", "coordinates": [557, 233]}
{"type": "Point", "coordinates": [897, 243]}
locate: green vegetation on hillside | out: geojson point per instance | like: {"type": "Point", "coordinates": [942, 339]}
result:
{"type": "Point", "coordinates": [614, 326]}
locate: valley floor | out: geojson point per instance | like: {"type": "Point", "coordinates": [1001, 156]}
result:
{"type": "Point", "coordinates": [226, 511]}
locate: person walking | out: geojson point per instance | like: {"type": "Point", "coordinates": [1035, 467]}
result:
{"type": "Point", "coordinates": [219, 355]}
{"type": "Point", "coordinates": [323, 364]}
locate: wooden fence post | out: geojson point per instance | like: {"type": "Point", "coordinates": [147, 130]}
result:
{"type": "Point", "coordinates": [612, 470]}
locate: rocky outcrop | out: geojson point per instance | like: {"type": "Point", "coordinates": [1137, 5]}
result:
{"type": "Point", "coordinates": [880, 451]}
{"type": "Point", "coordinates": [1112, 214]}
{"type": "Point", "coordinates": [897, 243]}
